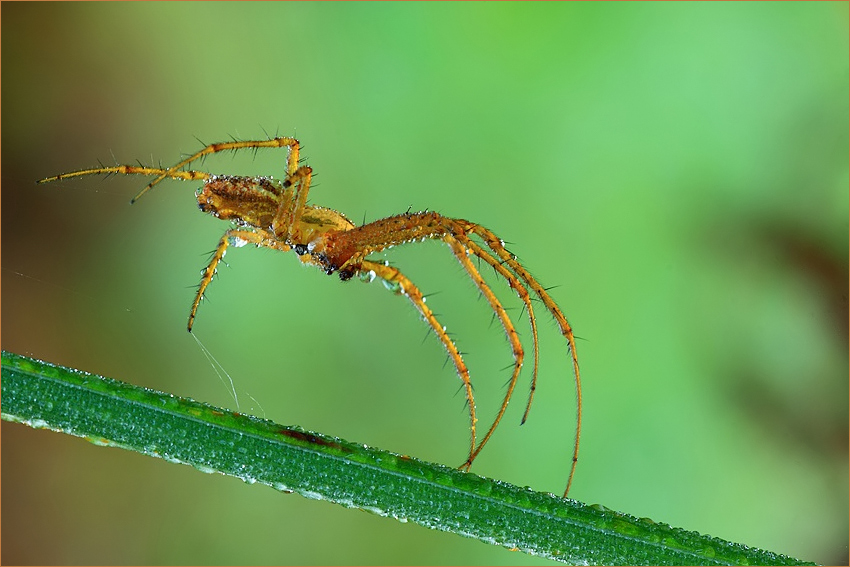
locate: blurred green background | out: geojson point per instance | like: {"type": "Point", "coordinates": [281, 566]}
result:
{"type": "Point", "coordinates": [677, 171]}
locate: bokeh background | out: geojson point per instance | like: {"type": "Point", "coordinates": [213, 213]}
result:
{"type": "Point", "coordinates": [679, 173]}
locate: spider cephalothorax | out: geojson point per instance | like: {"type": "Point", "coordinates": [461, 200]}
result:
{"type": "Point", "coordinates": [275, 214]}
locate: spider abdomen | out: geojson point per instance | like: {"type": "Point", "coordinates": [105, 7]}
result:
{"type": "Point", "coordinates": [251, 201]}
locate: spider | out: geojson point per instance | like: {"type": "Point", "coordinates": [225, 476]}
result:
{"type": "Point", "coordinates": [274, 214]}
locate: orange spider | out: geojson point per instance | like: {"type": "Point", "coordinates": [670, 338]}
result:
{"type": "Point", "coordinates": [275, 214]}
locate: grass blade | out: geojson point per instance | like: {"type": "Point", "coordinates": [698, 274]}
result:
{"type": "Point", "coordinates": [109, 412]}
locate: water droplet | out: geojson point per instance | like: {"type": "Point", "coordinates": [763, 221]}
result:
{"type": "Point", "coordinates": [204, 468]}
{"type": "Point", "coordinates": [394, 287]}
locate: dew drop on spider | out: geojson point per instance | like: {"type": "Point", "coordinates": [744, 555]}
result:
{"type": "Point", "coordinates": [394, 287]}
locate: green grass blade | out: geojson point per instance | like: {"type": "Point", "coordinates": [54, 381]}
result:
{"type": "Point", "coordinates": [109, 412]}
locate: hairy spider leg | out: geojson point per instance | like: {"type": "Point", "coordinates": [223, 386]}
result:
{"type": "Point", "coordinates": [345, 251]}
{"type": "Point", "coordinates": [495, 244]}
{"type": "Point", "coordinates": [280, 142]}
{"type": "Point", "coordinates": [462, 254]}
{"type": "Point", "coordinates": [257, 237]}
{"type": "Point", "coordinates": [174, 171]}
{"type": "Point", "coordinates": [409, 290]}
{"type": "Point", "coordinates": [522, 293]}
{"type": "Point", "coordinates": [287, 219]}
{"type": "Point", "coordinates": [131, 170]}
{"type": "Point", "coordinates": [380, 234]}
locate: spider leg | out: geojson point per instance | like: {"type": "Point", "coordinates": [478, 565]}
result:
{"type": "Point", "coordinates": [344, 251]}
{"type": "Point", "coordinates": [132, 170]}
{"type": "Point", "coordinates": [496, 245]}
{"type": "Point", "coordinates": [461, 251]}
{"type": "Point", "coordinates": [280, 142]}
{"type": "Point", "coordinates": [287, 219]}
{"type": "Point", "coordinates": [522, 293]}
{"type": "Point", "coordinates": [230, 237]}
{"type": "Point", "coordinates": [507, 324]}
{"type": "Point", "coordinates": [408, 289]}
